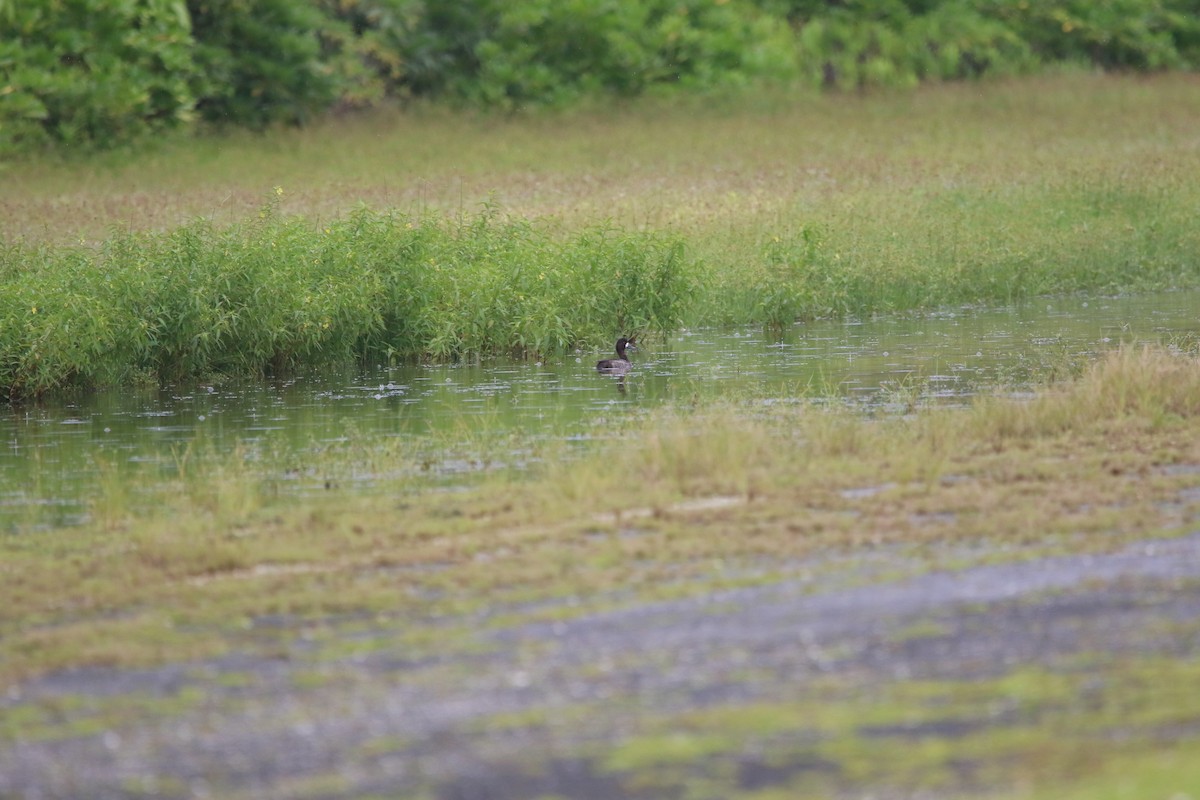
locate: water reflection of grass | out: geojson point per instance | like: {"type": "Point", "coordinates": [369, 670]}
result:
{"type": "Point", "coordinates": [843, 205]}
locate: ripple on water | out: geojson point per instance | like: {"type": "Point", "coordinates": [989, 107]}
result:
{"type": "Point", "coordinates": [58, 456]}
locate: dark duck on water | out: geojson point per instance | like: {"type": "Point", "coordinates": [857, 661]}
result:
{"type": "Point", "coordinates": [619, 365]}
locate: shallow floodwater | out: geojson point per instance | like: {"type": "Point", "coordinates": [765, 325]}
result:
{"type": "Point", "coordinates": [60, 460]}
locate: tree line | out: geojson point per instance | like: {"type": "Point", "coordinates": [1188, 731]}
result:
{"type": "Point", "coordinates": [100, 73]}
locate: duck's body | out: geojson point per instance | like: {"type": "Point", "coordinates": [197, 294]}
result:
{"type": "Point", "coordinates": [619, 365]}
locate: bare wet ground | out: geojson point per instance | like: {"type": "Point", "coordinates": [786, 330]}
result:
{"type": "Point", "coordinates": [882, 673]}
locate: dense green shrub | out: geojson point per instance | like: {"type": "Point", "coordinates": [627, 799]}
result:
{"type": "Point", "coordinates": [549, 51]}
{"type": "Point", "coordinates": [1117, 34]}
{"type": "Point", "coordinates": [850, 47]}
{"type": "Point", "coordinates": [890, 43]}
{"type": "Point", "coordinates": [261, 61]}
{"type": "Point", "coordinates": [542, 52]}
{"type": "Point", "coordinates": [91, 72]}
{"type": "Point", "coordinates": [903, 42]}
{"type": "Point", "coordinates": [360, 43]}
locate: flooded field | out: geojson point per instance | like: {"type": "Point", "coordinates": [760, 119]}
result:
{"type": "Point", "coordinates": [59, 456]}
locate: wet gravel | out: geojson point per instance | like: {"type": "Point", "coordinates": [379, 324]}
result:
{"type": "Point", "coordinates": [389, 723]}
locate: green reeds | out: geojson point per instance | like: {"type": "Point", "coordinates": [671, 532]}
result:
{"type": "Point", "coordinates": [970, 245]}
{"type": "Point", "coordinates": [273, 293]}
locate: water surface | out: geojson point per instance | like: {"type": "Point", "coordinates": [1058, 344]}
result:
{"type": "Point", "coordinates": [59, 457]}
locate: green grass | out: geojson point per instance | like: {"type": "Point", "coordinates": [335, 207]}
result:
{"type": "Point", "coordinates": [274, 294]}
{"type": "Point", "coordinates": [655, 163]}
{"type": "Point", "coordinates": [764, 210]}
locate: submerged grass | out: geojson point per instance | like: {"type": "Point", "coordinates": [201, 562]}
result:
{"type": "Point", "coordinates": [645, 217]}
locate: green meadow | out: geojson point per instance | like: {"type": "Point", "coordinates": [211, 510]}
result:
{"type": "Point", "coordinates": [436, 235]}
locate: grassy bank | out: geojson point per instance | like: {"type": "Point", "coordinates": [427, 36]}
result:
{"type": "Point", "coordinates": [652, 216]}
{"type": "Point", "coordinates": [762, 496]}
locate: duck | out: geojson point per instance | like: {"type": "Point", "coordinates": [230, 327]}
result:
{"type": "Point", "coordinates": [619, 365]}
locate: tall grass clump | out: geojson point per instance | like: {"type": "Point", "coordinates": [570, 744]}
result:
{"type": "Point", "coordinates": [728, 447]}
{"type": "Point", "coordinates": [960, 246]}
{"type": "Point", "coordinates": [481, 286]}
{"type": "Point", "coordinates": [1146, 386]}
{"type": "Point", "coordinates": [273, 293]}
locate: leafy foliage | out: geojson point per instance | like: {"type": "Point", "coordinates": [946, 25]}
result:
{"type": "Point", "coordinates": [261, 61]}
{"type": "Point", "coordinates": [902, 42]}
{"type": "Point", "coordinates": [549, 52]}
{"type": "Point", "coordinates": [1120, 34]}
{"type": "Point", "coordinates": [894, 47]}
{"type": "Point", "coordinates": [89, 72]}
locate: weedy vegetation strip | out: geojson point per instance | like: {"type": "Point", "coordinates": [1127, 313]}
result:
{"type": "Point", "coordinates": [273, 293]}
